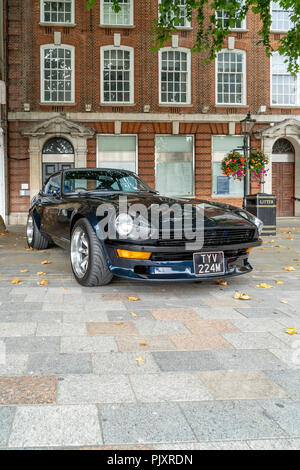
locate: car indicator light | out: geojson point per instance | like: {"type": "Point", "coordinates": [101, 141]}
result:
{"type": "Point", "coordinates": [134, 254]}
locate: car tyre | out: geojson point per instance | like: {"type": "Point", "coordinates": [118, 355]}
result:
{"type": "Point", "coordinates": [35, 239]}
{"type": "Point", "coordinates": [88, 259]}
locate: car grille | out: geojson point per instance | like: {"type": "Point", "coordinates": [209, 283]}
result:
{"type": "Point", "coordinates": [217, 237]}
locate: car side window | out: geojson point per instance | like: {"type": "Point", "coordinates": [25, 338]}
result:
{"type": "Point", "coordinates": [53, 184]}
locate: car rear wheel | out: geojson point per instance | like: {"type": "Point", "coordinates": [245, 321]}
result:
{"type": "Point", "coordinates": [34, 237]}
{"type": "Point", "coordinates": [88, 260]}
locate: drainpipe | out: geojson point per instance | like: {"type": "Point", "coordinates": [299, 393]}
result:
{"type": "Point", "coordinates": [2, 102]}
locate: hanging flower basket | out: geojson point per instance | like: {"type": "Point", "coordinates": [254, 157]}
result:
{"type": "Point", "coordinates": [234, 166]}
{"type": "Point", "coordinates": [257, 163]}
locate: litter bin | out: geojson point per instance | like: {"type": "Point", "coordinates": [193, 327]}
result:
{"type": "Point", "coordinates": [263, 206]}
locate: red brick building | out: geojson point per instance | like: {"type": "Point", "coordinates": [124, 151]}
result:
{"type": "Point", "coordinates": [85, 89]}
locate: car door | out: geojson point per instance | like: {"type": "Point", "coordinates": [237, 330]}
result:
{"type": "Point", "coordinates": [51, 204]}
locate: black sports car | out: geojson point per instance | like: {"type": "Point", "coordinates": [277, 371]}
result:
{"type": "Point", "coordinates": [114, 224]}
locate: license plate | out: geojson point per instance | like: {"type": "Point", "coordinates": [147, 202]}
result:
{"type": "Point", "coordinates": [209, 264]}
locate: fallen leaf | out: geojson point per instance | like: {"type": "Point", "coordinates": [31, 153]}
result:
{"type": "Point", "coordinates": [263, 285]}
{"type": "Point", "coordinates": [292, 331]}
{"type": "Point", "coordinates": [279, 282]}
{"type": "Point", "coordinates": [139, 360]}
{"type": "Point", "coordinates": [15, 281]}
{"type": "Point", "coordinates": [296, 259]}
{"type": "Point", "coordinates": [43, 283]}
{"type": "Point", "coordinates": [143, 344]}
{"type": "Point", "coordinates": [63, 288]}
{"type": "Point", "coordinates": [278, 246]}
{"type": "Point", "coordinates": [119, 323]}
{"type": "Point", "coordinates": [41, 273]}
{"type": "Point", "coordinates": [46, 262]}
{"type": "Point", "coordinates": [221, 283]}
{"type": "Point", "coordinates": [24, 271]}
{"type": "Point", "coordinates": [284, 301]}
{"type": "Point", "coordinates": [134, 315]}
{"type": "Point", "coordinates": [29, 249]}
{"type": "Point", "coordinates": [289, 268]}
{"type": "Point", "coordinates": [241, 296]}
{"type": "Point", "coordinates": [134, 299]}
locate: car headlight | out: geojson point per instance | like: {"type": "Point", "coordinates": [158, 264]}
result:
{"type": "Point", "coordinates": [124, 224]}
{"type": "Point", "coordinates": [255, 220]}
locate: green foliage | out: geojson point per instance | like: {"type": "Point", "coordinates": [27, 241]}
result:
{"type": "Point", "coordinates": [211, 33]}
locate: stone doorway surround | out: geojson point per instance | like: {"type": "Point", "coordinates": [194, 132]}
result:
{"type": "Point", "coordinates": [288, 129]}
{"type": "Point", "coordinates": [59, 126]}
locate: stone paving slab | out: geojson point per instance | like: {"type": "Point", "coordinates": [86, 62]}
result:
{"type": "Point", "coordinates": [230, 420]}
{"type": "Point", "coordinates": [240, 385]}
{"type": "Point", "coordinates": [248, 359]}
{"type": "Point", "coordinates": [7, 414]}
{"type": "Point", "coordinates": [61, 329]}
{"type": "Point", "coordinates": [27, 390]}
{"type": "Point", "coordinates": [90, 389]}
{"type": "Point", "coordinates": [286, 413]}
{"type": "Point", "coordinates": [170, 361]}
{"type": "Point", "coordinates": [43, 426]}
{"type": "Point", "coordinates": [91, 344]}
{"type": "Point", "coordinates": [17, 329]}
{"type": "Point", "coordinates": [253, 340]}
{"type": "Point", "coordinates": [124, 363]}
{"type": "Point", "coordinates": [288, 380]}
{"type": "Point", "coordinates": [59, 364]}
{"type": "Point", "coordinates": [29, 345]}
{"type": "Point", "coordinates": [169, 387]}
{"type": "Point", "coordinates": [144, 423]}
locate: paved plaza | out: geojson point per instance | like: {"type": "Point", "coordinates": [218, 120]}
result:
{"type": "Point", "coordinates": [187, 366]}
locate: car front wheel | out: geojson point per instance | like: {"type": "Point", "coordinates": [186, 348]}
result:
{"type": "Point", "coordinates": [88, 260]}
{"type": "Point", "coordinates": [34, 237]}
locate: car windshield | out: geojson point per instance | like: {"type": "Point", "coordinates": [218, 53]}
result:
{"type": "Point", "coordinates": [102, 180]}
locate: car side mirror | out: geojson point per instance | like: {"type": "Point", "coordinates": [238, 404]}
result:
{"type": "Point", "coordinates": [55, 193]}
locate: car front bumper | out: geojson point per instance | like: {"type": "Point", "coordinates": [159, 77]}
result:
{"type": "Point", "coordinates": [174, 264]}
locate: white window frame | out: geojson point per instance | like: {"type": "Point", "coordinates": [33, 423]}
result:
{"type": "Point", "coordinates": [42, 72]}
{"type": "Point", "coordinates": [131, 75]}
{"type": "Point", "coordinates": [130, 24]}
{"type": "Point", "coordinates": [42, 14]}
{"type": "Point", "coordinates": [186, 26]}
{"type": "Point", "coordinates": [244, 79]}
{"type": "Point", "coordinates": [217, 158]}
{"type": "Point", "coordinates": [243, 22]}
{"type": "Point", "coordinates": [297, 84]}
{"type": "Point", "coordinates": [189, 76]}
{"type": "Point", "coordinates": [277, 7]}
{"type": "Point", "coordinates": [193, 163]}
{"type": "Point", "coordinates": [121, 135]}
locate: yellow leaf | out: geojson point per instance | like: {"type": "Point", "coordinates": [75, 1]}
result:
{"type": "Point", "coordinates": [284, 301]}
{"type": "Point", "coordinates": [289, 268]}
{"type": "Point", "coordinates": [15, 281]}
{"type": "Point", "coordinates": [29, 249]}
{"type": "Point", "coordinates": [240, 296]}
{"type": "Point", "coordinates": [134, 299]}
{"type": "Point", "coordinates": [279, 282]}
{"type": "Point", "coordinates": [43, 283]}
{"type": "Point", "coordinates": [46, 262]}
{"type": "Point", "coordinates": [265, 286]}
{"type": "Point", "coordinates": [139, 360]}
{"type": "Point", "coordinates": [119, 323]}
{"type": "Point", "coordinates": [134, 315]}
{"type": "Point", "coordinates": [41, 273]}
{"type": "Point", "coordinates": [278, 246]}
{"type": "Point", "coordinates": [292, 331]}
{"type": "Point", "coordinates": [143, 344]}
{"type": "Point", "coordinates": [24, 271]}
{"type": "Point", "coordinates": [63, 288]}
{"type": "Point", "coordinates": [221, 283]}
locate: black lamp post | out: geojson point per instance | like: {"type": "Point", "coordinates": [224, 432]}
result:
{"type": "Point", "coordinates": [247, 126]}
